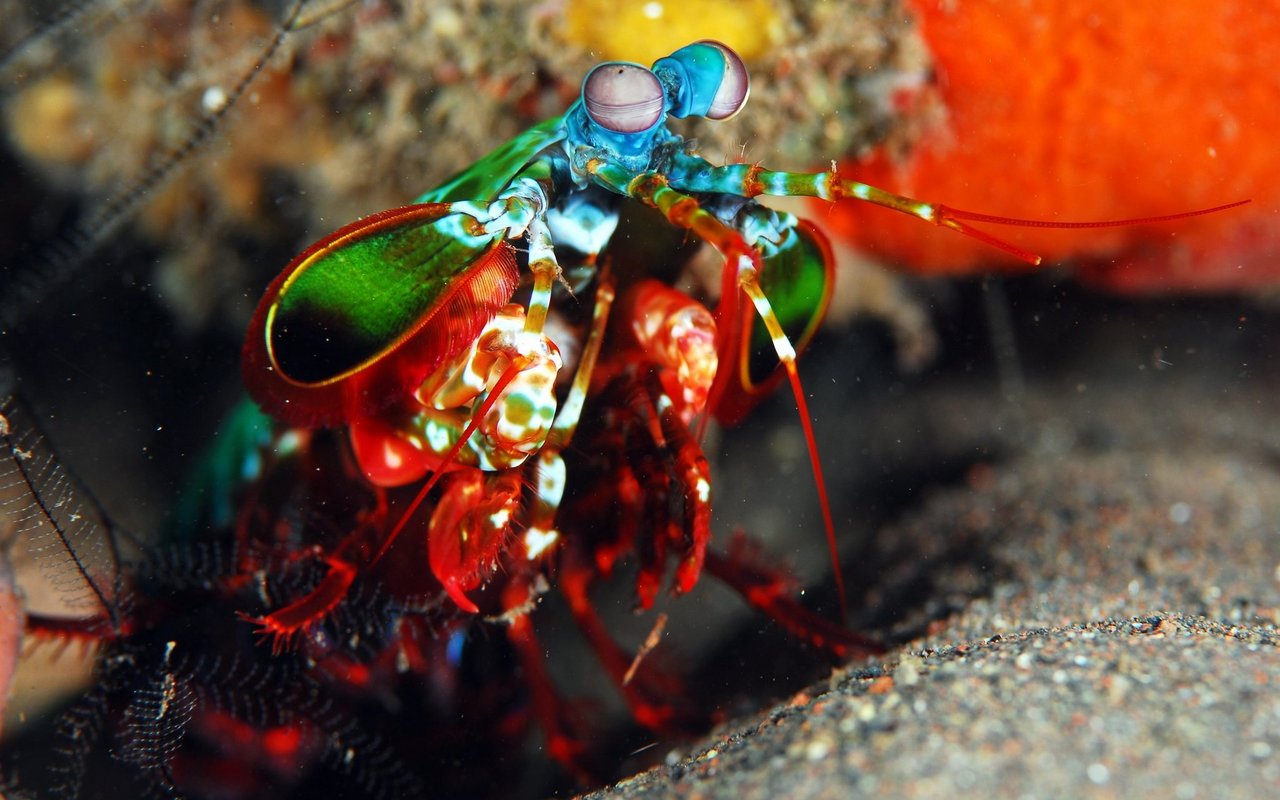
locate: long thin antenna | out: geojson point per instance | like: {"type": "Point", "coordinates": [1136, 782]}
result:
{"type": "Point", "coordinates": [948, 217]}
{"type": "Point", "coordinates": [68, 254]}
{"type": "Point", "coordinates": [61, 23]}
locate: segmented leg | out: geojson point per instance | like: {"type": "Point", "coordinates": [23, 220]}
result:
{"type": "Point", "coordinates": [552, 711]}
{"type": "Point", "coordinates": [657, 440]}
{"type": "Point", "coordinates": [693, 174]}
{"type": "Point", "coordinates": [694, 480]}
{"type": "Point", "coordinates": [684, 211]}
{"type": "Point", "coordinates": [549, 470]}
{"type": "Point", "coordinates": [267, 540]}
{"type": "Point", "coordinates": [283, 624]}
{"type": "Point", "coordinates": [681, 467]}
{"type": "Point", "coordinates": [771, 592]}
{"type": "Point", "coordinates": [655, 532]}
{"type": "Point", "coordinates": [650, 693]}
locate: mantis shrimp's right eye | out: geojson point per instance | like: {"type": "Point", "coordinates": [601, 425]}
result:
{"type": "Point", "coordinates": [623, 98]}
{"type": "Point", "coordinates": [734, 87]}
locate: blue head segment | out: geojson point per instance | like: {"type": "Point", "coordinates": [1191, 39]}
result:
{"type": "Point", "coordinates": [704, 79]}
{"type": "Point", "coordinates": [625, 104]}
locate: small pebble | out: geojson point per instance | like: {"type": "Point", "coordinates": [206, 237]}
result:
{"type": "Point", "coordinates": [818, 749]}
{"type": "Point", "coordinates": [909, 671]}
{"type": "Point", "coordinates": [1098, 773]}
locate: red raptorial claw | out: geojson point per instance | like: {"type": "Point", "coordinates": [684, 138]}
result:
{"type": "Point", "coordinates": [469, 528]}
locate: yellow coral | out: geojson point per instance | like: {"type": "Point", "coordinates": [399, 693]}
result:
{"type": "Point", "coordinates": [644, 31]}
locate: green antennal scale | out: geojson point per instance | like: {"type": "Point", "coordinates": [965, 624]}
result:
{"type": "Point", "coordinates": [365, 314]}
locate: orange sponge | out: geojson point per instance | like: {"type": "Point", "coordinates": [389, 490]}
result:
{"type": "Point", "coordinates": [1093, 109]}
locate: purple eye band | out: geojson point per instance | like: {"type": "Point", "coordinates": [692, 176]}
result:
{"type": "Point", "coordinates": [624, 98]}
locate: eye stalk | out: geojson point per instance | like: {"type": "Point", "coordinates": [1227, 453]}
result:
{"type": "Point", "coordinates": [623, 97]}
{"type": "Point", "coordinates": [706, 79]}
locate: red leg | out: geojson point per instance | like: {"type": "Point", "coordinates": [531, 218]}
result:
{"type": "Point", "coordinates": [651, 544]}
{"type": "Point", "coordinates": [282, 624]}
{"type": "Point", "coordinates": [770, 591]}
{"type": "Point", "coordinates": [552, 712]}
{"type": "Point", "coordinates": [694, 479]}
{"type": "Point", "coordinates": [649, 691]}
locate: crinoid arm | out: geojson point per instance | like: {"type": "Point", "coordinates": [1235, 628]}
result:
{"type": "Point", "coordinates": [48, 514]}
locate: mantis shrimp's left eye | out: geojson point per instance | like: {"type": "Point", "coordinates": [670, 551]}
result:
{"type": "Point", "coordinates": [623, 98]}
{"type": "Point", "coordinates": [735, 84]}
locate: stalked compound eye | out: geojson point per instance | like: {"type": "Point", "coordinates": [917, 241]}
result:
{"type": "Point", "coordinates": [735, 84]}
{"type": "Point", "coordinates": [623, 98]}
{"type": "Point", "coordinates": [704, 79]}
